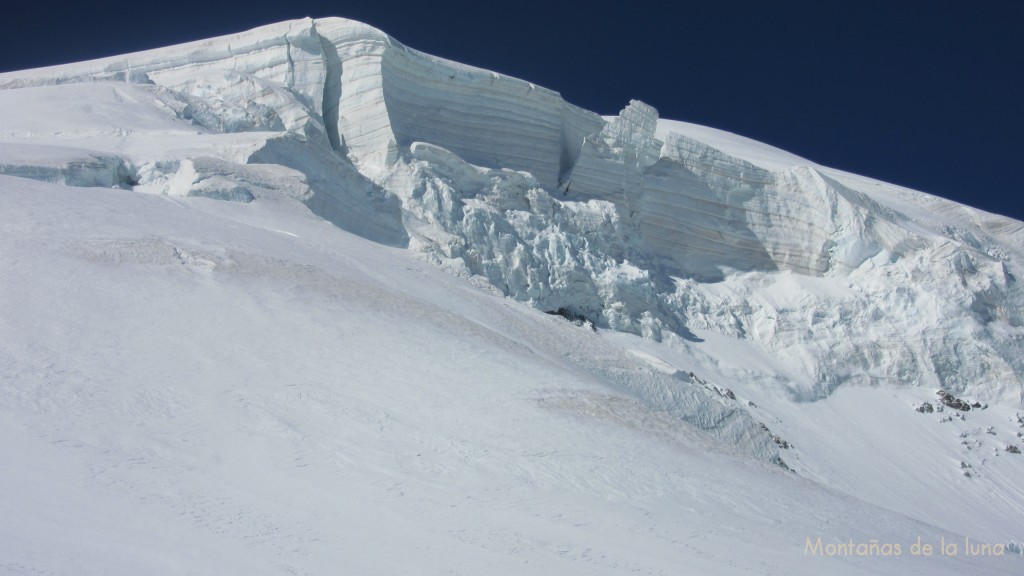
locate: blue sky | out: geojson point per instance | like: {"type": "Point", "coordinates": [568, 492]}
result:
{"type": "Point", "coordinates": [923, 94]}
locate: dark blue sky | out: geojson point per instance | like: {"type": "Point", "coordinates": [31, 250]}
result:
{"type": "Point", "coordinates": [923, 94]}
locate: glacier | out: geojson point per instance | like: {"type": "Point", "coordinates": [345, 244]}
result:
{"type": "Point", "coordinates": [737, 289]}
{"type": "Point", "coordinates": [639, 224]}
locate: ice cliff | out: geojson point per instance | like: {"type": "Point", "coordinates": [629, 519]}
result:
{"type": "Point", "coordinates": [658, 228]}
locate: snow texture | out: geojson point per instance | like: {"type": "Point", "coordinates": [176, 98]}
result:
{"type": "Point", "coordinates": [750, 306]}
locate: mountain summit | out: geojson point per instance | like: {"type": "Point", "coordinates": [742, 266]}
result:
{"type": "Point", "coordinates": [285, 289]}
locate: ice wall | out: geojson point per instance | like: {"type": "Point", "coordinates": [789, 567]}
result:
{"type": "Point", "coordinates": [637, 224]}
{"type": "Point", "coordinates": [390, 96]}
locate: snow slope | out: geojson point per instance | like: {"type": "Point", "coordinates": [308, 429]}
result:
{"type": "Point", "coordinates": [228, 345]}
{"type": "Point", "coordinates": [628, 221]}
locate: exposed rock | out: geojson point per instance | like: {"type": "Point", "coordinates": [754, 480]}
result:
{"type": "Point", "coordinates": [775, 437]}
{"type": "Point", "coordinates": [952, 401]}
{"type": "Point", "coordinates": [967, 469]}
{"type": "Point", "coordinates": [782, 464]}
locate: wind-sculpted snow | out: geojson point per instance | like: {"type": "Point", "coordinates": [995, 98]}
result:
{"type": "Point", "coordinates": [267, 79]}
{"type": "Point", "coordinates": [634, 223]}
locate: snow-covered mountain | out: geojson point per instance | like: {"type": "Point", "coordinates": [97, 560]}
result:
{"type": "Point", "coordinates": [275, 303]}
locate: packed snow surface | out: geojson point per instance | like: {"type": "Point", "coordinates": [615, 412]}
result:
{"type": "Point", "coordinates": [275, 303]}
